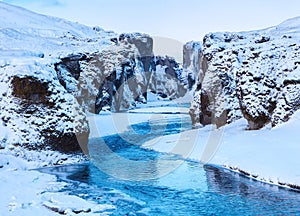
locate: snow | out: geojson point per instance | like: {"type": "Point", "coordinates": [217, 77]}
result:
{"type": "Point", "coordinates": [25, 191]}
{"type": "Point", "coordinates": [269, 155]}
{"type": "Point", "coordinates": [44, 36]}
{"type": "Point", "coordinates": [154, 109]}
{"type": "Point", "coordinates": [21, 192]}
{"type": "Point", "coordinates": [72, 205]}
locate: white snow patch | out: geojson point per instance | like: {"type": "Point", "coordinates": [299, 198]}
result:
{"type": "Point", "coordinates": [271, 154]}
{"type": "Point", "coordinates": [27, 192]}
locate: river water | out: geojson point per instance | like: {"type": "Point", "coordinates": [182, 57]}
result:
{"type": "Point", "coordinates": [137, 182]}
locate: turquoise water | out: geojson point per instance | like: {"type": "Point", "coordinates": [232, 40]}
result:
{"type": "Point", "coordinates": [189, 189]}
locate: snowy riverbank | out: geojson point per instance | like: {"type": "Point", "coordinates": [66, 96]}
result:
{"type": "Point", "coordinates": [25, 191]}
{"type": "Point", "coordinates": [268, 155]}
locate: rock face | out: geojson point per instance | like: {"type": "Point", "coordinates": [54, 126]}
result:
{"type": "Point", "coordinates": [119, 76]}
{"type": "Point", "coordinates": [193, 64]}
{"type": "Point", "coordinates": [167, 79]}
{"type": "Point", "coordinates": [38, 107]}
{"type": "Point", "coordinates": [53, 71]}
{"type": "Point", "coordinates": [43, 105]}
{"type": "Point", "coordinates": [254, 75]}
{"type": "Point", "coordinates": [38, 111]}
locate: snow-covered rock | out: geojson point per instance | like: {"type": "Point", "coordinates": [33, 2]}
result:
{"type": "Point", "coordinates": [38, 112]}
{"type": "Point", "coordinates": [120, 75]}
{"type": "Point", "coordinates": [193, 62]}
{"type": "Point", "coordinates": [53, 71]}
{"type": "Point", "coordinates": [254, 75]}
{"type": "Point", "coordinates": [167, 79]}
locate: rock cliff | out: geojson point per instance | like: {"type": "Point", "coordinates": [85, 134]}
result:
{"type": "Point", "coordinates": [254, 75]}
{"type": "Point", "coordinates": [120, 75]}
{"type": "Point", "coordinates": [52, 72]}
{"type": "Point", "coordinates": [38, 112]}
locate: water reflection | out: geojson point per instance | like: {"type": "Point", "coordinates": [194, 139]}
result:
{"type": "Point", "coordinates": [119, 155]}
{"type": "Point", "coordinates": [264, 198]}
{"type": "Point", "coordinates": [189, 190]}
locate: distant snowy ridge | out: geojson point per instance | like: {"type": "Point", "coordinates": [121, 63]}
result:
{"type": "Point", "coordinates": [254, 75]}
{"type": "Point", "coordinates": [21, 29]}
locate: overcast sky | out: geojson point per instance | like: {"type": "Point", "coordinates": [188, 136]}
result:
{"type": "Point", "coordinates": [177, 19]}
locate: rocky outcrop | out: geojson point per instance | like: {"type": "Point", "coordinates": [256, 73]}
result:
{"type": "Point", "coordinates": [214, 97]}
{"type": "Point", "coordinates": [53, 71]}
{"type": "Point", "coordinates": [255, 75]}
{"type": "Point", "coordinates": [43, 105]}
{"type": "Point", "coordinates": [193, 65]}
{"type": "Point", "coordinates": [39, 113]}
{"type": "Point", "coordinates": [38, 107]}
{"type": "Point", "coordinates": [119, 76]}
{"type": "Point", "coordinates": [167, 79]}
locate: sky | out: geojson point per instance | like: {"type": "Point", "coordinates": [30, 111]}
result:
{"type": "Point", "coordinates": [175, 19]}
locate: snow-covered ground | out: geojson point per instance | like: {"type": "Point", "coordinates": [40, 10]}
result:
{"type": "Point", "coordinates": [25, 191]}
{"type": "Point", "coordinates": [270, 155]}
{"type": "Point", "coordinates": [45, 36]}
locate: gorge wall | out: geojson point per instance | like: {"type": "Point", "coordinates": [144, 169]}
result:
{"type": "Point", "coordinates": [254, 75]}
{"type": "Point", "coordinates": [119, 76]}
{"type": "Point", "coordinates": [52, 72]}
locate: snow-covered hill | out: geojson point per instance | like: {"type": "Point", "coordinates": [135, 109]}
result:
{"type": "Point", "coordinates": [36, 111]}
{"type": "Point", "coordinates": [24, 33]}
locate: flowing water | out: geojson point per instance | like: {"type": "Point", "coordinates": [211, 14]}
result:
{"type": "Point", "coordinates": [138, 183]}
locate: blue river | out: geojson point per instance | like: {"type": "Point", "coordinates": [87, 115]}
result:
{"type": "Point", "coordinates": [142, 188]}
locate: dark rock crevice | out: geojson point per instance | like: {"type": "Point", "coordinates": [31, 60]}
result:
{"type": "Point", "coordinates": [31, 90]}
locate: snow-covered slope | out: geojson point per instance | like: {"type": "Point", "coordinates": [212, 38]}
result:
{"type": "Point", "coordinates": [269, 155]}
{"type": "Point", "coordinates": [24, 33]}
{"type": "Point", "coordinates": [254, 75]}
